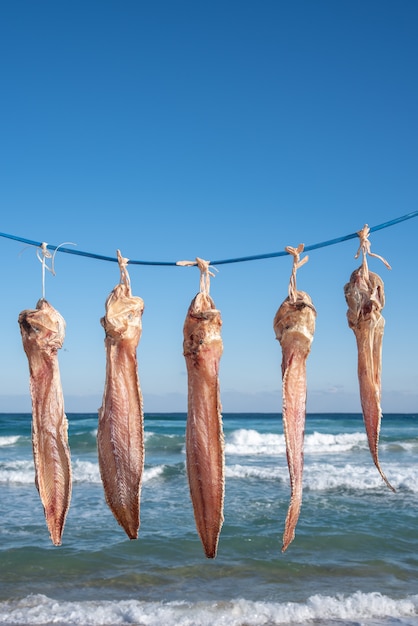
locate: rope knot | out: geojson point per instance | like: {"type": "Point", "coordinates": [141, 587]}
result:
{"type": "Point", "coordinates": [297, 263]}
{"type": "Point", "coordinates": [364, 248]}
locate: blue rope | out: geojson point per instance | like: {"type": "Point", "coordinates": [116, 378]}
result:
{"type": "Point", "coordinates": [256, 257]}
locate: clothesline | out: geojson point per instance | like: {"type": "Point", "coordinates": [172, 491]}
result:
{"type": "Point", "coordinates": [255, 257]}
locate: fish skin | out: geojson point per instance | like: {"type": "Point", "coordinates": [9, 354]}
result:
{"type": "Point", "coordinates": [43, 331]}
{"type": "Point", "coordinates": [120, 433]}
{"type": "Point", "coordinates": [365, 297]}
{"type": "Point", "coordinates": [294, 326]}
{"type": "Point", "coordinates": [204, 432]}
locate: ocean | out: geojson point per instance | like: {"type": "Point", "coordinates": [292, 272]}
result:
{"type": "Point", "coordinates": [354, 560]}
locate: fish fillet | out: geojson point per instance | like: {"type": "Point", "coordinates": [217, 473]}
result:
{"type": "Point", "coordinates": [120, 435]}
{"type": "Point", "coordinates": [43, 331]}
{"type": "Point", "coordinates": [294, 325]}
{"type": "Point", "coordinates": [204, 434]}
{"type": "Point", "coordinates": [365, 297]}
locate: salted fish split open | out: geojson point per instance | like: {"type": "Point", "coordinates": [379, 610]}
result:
{"type": "Point", "coordinates": [204, 432]}
{"type": "Point", "coordinates": [365, 297]}
{"type": "Point", "coordinates": [294, 326]}
{"type": "Point", "coordinates": [43, 331]}
{"type": "Point", "coordinates": [120, 434]}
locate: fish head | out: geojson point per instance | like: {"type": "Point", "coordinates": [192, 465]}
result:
{"type": "Point", "coordinates": [123, 318]}
{"type": "Point", "coordinates": [43, 326]}
{"type": "Point", "coordinates": [294, 322]}
{"type": "Point", "coordinates": [202, 327]}
{"type": "Point", "coordinates": [365, 297]}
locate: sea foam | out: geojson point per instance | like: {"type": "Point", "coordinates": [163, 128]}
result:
{"type": "Point", "coordinates": [252, 442]}
{"type": "Point", "coordinates": [329, 477]}
{"type": "Point", "coordinates": [9, 441]}
{"type": "Point", "coordinates": [17, 471]}
{"type": "Point", "coordinates": [89, 472]}
{"type": "Point", "coordinates": [370, 608]}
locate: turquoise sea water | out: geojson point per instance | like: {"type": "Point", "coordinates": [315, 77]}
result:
{"type": "Point", "coordinates": [354, 560]}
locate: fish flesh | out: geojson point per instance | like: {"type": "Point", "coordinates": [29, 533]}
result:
{"type": "Point", "coordinates": [294, 326]}
{"type": "Point", "coordinates": [365, 297]}
{"type": "Point", "coordinates": [204, 432]}
{"type": "Point", "coordinates": [120, 434]}
{"type": "Point", "coordinates": [43, 332]}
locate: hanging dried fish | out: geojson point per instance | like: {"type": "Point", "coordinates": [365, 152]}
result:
{"type": "Point", "coordinates": [120, 435]}
{"type": "Point", "coordinates": [43, 331]}
{"type": "Point", "coordinates": [294, 326]}
{"type": "Point", "coordinates": [365, 297]}
{"type": "Point", "coordinates": [204, 434]}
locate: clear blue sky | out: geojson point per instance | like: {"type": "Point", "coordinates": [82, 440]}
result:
{"type": "Point", "coordinates": [217, 129]}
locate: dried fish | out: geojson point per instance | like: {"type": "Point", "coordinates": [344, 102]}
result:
{"type": "Point", "coordinates": [120, 435]}
{"type": "Point", "coordinates": [294, 326]}
{"type": "Point", "coordinates": [43, 331]}
{"type": "Point", "coordinates": [365, 297]}
{"type": "Point", "coordinates": [204, 433]}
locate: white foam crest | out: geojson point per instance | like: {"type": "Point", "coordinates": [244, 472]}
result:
{"type": "Point", "coordinates": [153, 472]}
{"type": "Point", "coordinates": [8, 440]}
{"type": "Point", "coordinates": [320, 443]}
{"type": "Point", "coordinates": [89, 472]}
{"type": "Point", "coordinates": [405, 477]}
{"type": "Point", "coordinates": [326, 476]}
{"type": "Point", "coordinates": [39, 609]}
{"type": "Point", "coordinates": [362, 606]}
{"type": "Point", "coordinates": [18, 472]}
{"type": "Point", "coordinates": [85, 472]}
{"type": "Point", "coordinates": [406, 446]}
{"type": "Point", "coordinates": [251, 471]}
{"type": "Point", "coordinates": [149, 433]}
{"type": "Point", "coordinates": [245, 442]}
